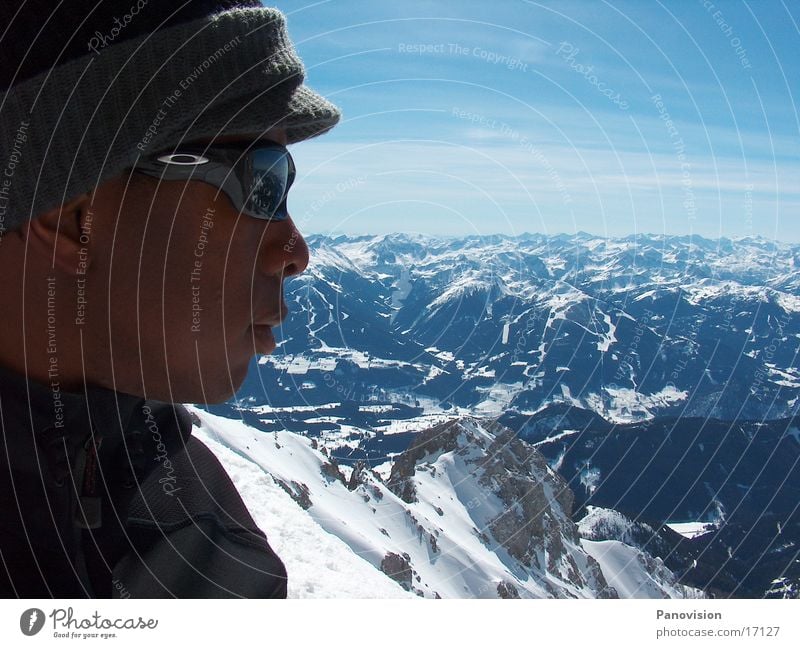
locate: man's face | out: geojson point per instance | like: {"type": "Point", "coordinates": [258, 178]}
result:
{"type": "Point", "coordinates": [192, 287]}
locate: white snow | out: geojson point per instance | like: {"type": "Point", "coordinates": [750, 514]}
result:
{"type": "Point", "coordinates": [561, 299]}
{"type": "Point", "coordinates": [460, 288]}
{"type": "Point", "coordinates": [375, 408]}
{"type": "Point", "coordinates": [604, 523]}
{"type": "Point", "coordinates": [401, 290]}
{"type": "Point", "coordinates": [589, 479]}
{"type": "Point", "coordinates": [789, 303]}
{"type": "Point", "coordinates": [497, 398]}
{"type": "Point", "coordinates": [625, 405]}
{"type": "Point", "coordinates": [692, 529]}
{"type": "Point", "coordinates": [609, 338]}
{"type": "Point", "coordinates": [270, 409]}
{"type": "Point", "coordinates": [561, 435]}
{"type": "Point", "coordinates": [319, 565]}
{"type": "Point", "coordinates": [625, 569]}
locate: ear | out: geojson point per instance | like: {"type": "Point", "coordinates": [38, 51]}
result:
{"type": "Point", "coordinates": [57, 235]}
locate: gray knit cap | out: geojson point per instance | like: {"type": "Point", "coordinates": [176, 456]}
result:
{"type": "Point", "coordinates": [72, 127]}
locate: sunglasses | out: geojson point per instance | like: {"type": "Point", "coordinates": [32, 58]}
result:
{"type": "Point", "coordinates": [257, 179]}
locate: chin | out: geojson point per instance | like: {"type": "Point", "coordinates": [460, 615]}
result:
{"type": "Point", "coordinates": [209, 394]}
{"type": "Point", "coordinates": [214, 398]}
{"type": "Point", "coordinates": [210, 387]}
{"type": "Point", "coordinates": [223, 384]}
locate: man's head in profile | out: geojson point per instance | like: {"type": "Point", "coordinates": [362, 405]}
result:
{"type": "Point", "coordinates": [144, 241]}
{"type": "Point", "coordinates": [145, 234]}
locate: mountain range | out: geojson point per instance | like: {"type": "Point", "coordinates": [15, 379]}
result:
{"type": "Point", "coordinates": [654, 379]}
{"type": "Point", "coordinates": [629, 328]}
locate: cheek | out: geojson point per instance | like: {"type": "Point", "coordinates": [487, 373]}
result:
{"type": "Point", "coordinates": [209, 275]}
{"type": "Point", "coordinates": [238, 284]}
{"type": "Point", "coordinates": [178, 258]}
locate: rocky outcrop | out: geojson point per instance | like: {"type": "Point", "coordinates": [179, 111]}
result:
{"type": "Point", "coordinates": [398, 567]}
{"type": "Point", "coordinates": [520, 505]}
{"type": "Point", "coordinates": [331, 471]}
{"type": "Point", "coordinates": [506, 590]}
{"type": "Point", "coordinates": [537, 502]}
{"type": "Point", "coordinates": [440, 438]}
{"type": "Point", "coordinates": [357, 476]}
{"type": "Point", "coordinates": [298, 491]}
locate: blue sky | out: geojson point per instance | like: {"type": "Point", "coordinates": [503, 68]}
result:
{"type": "Point", "coordinates": [614, 118]}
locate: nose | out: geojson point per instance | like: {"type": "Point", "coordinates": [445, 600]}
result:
{"type": "Point", "coordinates": [285, 251]}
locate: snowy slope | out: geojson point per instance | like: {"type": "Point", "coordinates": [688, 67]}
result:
{"type": "Point", "coordinates": [319, 564]}
{"type": "Point", "coordinates": [474, 517]}
{"type": "Point", "coordinates": [634, 574]}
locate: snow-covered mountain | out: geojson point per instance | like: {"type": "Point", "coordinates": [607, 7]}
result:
{"type": "Point", "coordinates": [658, 376]}
{"type": "Point", "coordinates": [629, 328]}
{"type": "Point", "coordinates": [468, 511]}
{"type": "Point", "coordinates": [734, 484]}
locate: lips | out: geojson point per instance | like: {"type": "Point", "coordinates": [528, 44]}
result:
{"type": "Point", "coordinates": [273, 318]}
{"type": "Point", "coordinates": [262, 330]}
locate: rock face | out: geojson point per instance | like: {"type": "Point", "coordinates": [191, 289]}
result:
{"type": "Point", "coordinates": [298, 491]}
{"type": "Point", "coordinates": [538, 503]}
{"type": "Point", "coordinates": [398, 568]}
{"type": "Point", "coordinates": [519, 507]}
{"type": "Point", "coordinates": [507, 590]}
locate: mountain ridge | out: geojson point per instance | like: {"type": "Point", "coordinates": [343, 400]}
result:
{"type": "Point", "coordinates": [487, 519]}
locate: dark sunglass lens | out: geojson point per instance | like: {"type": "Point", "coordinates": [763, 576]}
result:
{"type": "Point", "coordinates": [269, 181]}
